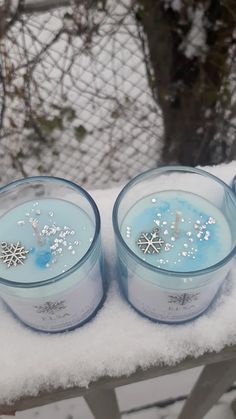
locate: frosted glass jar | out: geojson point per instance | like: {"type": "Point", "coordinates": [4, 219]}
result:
{"type": "Point", "coordinates": [172, 283]}
{"type": "Point", "coordinates": [58, 282]}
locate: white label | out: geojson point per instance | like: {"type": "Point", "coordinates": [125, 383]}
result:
{"type": "Point", "coordinates": [170, 305]}
{"type": "Point", "coordinates": [64, 310]}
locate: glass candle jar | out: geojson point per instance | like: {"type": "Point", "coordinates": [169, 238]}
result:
{"type": "Point", "coordinates": [50, 253]}
{"type": "Point", "coordinates": [175, 230]}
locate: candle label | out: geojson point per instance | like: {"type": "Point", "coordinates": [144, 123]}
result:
{"type": "Point", "coordinates": [170, 305]}
{"type": "Point", "coordinates": [64, 310]}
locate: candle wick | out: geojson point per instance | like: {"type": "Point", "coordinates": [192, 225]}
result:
{"type": "Point", "coordinates": [38, 236]}
{"type": "Point", "coordinates": [177, 221]}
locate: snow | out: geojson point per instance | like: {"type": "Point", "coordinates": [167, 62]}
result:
{"type": "Point", "coordinates": [117, 341]}
{"type": "Point", "coordinates": [176, 5]}
{"type": "Point", "coordinates": [195, 43]}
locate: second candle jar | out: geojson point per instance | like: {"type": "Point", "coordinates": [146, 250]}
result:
{"type": "Point", "coordinates": [175, 231]}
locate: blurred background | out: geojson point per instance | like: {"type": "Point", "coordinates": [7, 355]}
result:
{"type": "Point", "coordinates": [99, 90]}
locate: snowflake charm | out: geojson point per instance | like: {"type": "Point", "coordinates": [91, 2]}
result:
{"type": "Point", "coordinates": [150, 242]}
{"type": "Point", "coordinates": [13, 254]}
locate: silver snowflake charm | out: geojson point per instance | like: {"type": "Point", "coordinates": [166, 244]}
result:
{"type": "Point", "coordinates": [150, 242]}
{"type": "Point", "coordinates": [13, 254]}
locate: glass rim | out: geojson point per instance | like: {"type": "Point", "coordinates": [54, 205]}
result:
{"type": "Point", "coordinates": [86, 195]}
{"type": "Point", "coordinates": [159, 170]}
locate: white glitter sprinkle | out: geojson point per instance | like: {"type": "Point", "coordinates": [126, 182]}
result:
{"type": "Point", "coordinates": [38, 212]}
{"type": "Point", "coordinates": [182, 220]}
{"type": "Point", "coordinates": [185, 245]}
{"type": "Point", "coordinates": [194, 257]}
{"type": "Point", "coordinates": [189, 234]}
{"type": "Point", "coordinates": [70, 248]}
{"type": "Point", "coordinates": [47, 265]}
{"type": "Point", "coordinates": [72, 233]}
{"type": "Point", "coordinates": [73, 252]}
{"type": "Point", "coordinates": [21, 222]}
{"type": "Point", "coordinates": [191, 239]}
{"type": "Point", "coordinates": [198, 222]}
{"type": "Point", "coordinates": [167, 247]}
{"type": "Point", "coordinates": [65, 243]}
{"type": "Point", "coordinates": [128, 228]}
{"type": "Point", "coordinates": [51, 213]}
{"type": "Point", "coordinates": [159, 214]}
{"type": "Point", "coordinates": [154, 200]}
{"type": "Point", "coordinates": [27, 214]}
{"type": "Point", "coordinates": [211, 220]}
{"type": "Point", "coordinates": [164, 223]}
{"type": "Point", "coordinates": [157, 222]}
{"type": "Point", "coordinates": [165, 232]}
{"type": "Point", "coordinates": [35, 204]}
{"type": "Point", "coordinates": [59, 250]}
{"type": "Point", "coordinates": [172, 239]}
{"type": "Point", "coordinates": [184, 253]}
{"type": "Point", "coordinates": [76, 242]}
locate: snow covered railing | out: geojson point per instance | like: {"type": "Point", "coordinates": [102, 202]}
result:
{"type": "Point", "coordinates": [218, 374]}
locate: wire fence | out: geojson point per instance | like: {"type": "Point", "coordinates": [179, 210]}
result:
{"type": "Point", "coordinates": [75, 96]}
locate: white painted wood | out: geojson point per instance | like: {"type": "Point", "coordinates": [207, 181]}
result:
{"type": "Point", "coordinates": [103, 404]}
{"type": "Point", "coordinates": [233, 407]}
{"type": "Point", "coordinates": [214, 380]}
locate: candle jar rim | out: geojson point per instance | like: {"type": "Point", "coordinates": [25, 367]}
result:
{"type": "Point", "coordinates": [161, 170]}
{"type": "Point", "coordinates": [85, 257]}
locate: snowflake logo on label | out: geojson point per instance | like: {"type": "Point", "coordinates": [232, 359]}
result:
{"type": "Point", "coordinates": [51, 307]}
{"type": "Point", "coordinates": [183, 299]}
{"type": "Point", "coordinates": [13, 254]}
{"type": "Point", "coordinates": [150, 242]}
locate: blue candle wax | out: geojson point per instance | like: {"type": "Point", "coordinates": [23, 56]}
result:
{"type": "Point", "coordinates": [177, 231]}
{"type": "Point", "coordinates": [55, 233]}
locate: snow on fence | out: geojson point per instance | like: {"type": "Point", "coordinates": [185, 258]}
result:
{"type": "Point", "coordinates": [76, 100]}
